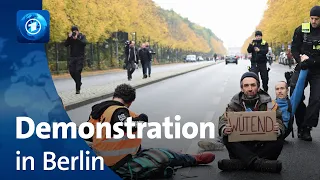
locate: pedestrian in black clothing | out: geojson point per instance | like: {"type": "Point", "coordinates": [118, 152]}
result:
{"type": "Point", "coordinates": [145, 57]}
{"type": "Point", "coordinates": [77, 42]}
{"type": "Point", "coordinates": [149, 62]}
{"type": "Point", "coordinates": [131, 59]}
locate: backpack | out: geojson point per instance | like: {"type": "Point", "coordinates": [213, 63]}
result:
{"type": "Point", "coordinates": [149, 163]}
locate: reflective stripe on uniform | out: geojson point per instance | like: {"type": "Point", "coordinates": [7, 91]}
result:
{"type": "Point", "coordinates": [306, 27]}
{"type": "Point", "coordinates": [317, 47]}
{"type": "Point", "coordinates": [117, 152]}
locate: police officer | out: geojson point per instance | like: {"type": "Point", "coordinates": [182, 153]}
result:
{"type": "Point", "coordinates": [77, 42]}
{"type": "Point", "coordinates": [259, 49]}
{"type": "Point", "coordinates": [306, 46]}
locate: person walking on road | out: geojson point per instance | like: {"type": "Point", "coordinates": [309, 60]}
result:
{"type": "Point", "coordinates": [306, 46]}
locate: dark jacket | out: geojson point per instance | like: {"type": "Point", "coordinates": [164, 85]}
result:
{"type": "Point", "coordinates": [132, 56]}
{"type": "Point", "coordinates": [77, 46]}
{"type": "Point", "coordinates": [236, 105]}
{"type": "Point", "coordinates": [298, 47]}
{"type": "Point", "coordinates": [144, 55]}
{"type": "Point", "coordinates": [261, 56]}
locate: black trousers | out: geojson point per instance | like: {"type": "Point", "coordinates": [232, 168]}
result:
{"type": "Point", "coordinates": [262, 68]}
{"type": "Point", "coordinates": [308, 116]}
{"type": "Point", "coordinates": [131, 67]}
{"type": "Point", "coordinates": [75, 68]}
{"type": "Point", "coordinates": [251, 150]}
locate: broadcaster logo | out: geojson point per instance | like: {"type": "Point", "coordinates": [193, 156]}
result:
{"type": "Point", "coordinates": [33, 26]}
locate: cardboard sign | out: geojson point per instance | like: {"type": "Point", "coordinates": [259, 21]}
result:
{"type": "Point", "coordinates": [251, 126]}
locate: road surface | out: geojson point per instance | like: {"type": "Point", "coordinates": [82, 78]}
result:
{"type": "Point", "coordinates": [202, 96]}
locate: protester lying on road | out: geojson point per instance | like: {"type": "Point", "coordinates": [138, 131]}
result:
{"type": "Point", "coordinates": [251, 155]}
{"type": "Point", "coordinates": [124, 155]}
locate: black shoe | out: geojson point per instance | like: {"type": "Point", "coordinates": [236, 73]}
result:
{"type": "Point", "coordinates": [77, 91]}
{"type": "Point", "coordinates": [149, 75]}
{"type": "Point", "coordinates": [305, 134]}
{"type": "Point", "coordinates": [231, 165]}
{"type": "Point", "coordinates": [299, 132]}
{"type": "Point", "coordinates": [263, 165]}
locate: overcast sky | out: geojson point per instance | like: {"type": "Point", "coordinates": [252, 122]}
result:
{"type": "Point", "coordinates": [231, 20]}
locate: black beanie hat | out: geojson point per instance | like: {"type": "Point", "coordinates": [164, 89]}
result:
{"type": "Point", "coordinates": [315, 11]}
{"type": "Point", "coordinates": [258, 33]}
{"type": "Point", "coordinates": [250, 74]}
{"type": "Point", "coordinates": [74, 28]}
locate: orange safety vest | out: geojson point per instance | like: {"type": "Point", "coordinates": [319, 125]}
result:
{"type": "Point", "coordinates": [113, 150]}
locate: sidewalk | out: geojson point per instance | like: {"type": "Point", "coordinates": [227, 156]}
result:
{"type": "Point", "coordinates": [99, 92]}
{"type": "Point", "coordinates": [100, 72]}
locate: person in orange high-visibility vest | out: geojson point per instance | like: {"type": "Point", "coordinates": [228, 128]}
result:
{"type": "Point", "coordinates": [116, 110]}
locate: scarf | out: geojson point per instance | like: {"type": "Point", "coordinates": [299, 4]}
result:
{"type": "Point", "coordinates": [283, 105]}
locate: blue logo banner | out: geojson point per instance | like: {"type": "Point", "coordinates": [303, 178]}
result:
{"type": "Point", "coordinates": [27, 90]}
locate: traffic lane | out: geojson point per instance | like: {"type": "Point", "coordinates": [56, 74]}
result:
{"type": "Point", "coordinates": [299, 158]}
{"type": "Point", "coordinates": [88, 81]}
{"type": "Point", "coordinates": [198, 96]}
{"type": "Point", "coordinates": [215, 85]}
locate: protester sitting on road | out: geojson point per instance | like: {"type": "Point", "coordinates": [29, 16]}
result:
{"type": "Point", "coordinates": [288, 105]}
{"type": "Point", "coordinates": [251, 155]}
{"type": "Point", "coordinates": [124, 155]}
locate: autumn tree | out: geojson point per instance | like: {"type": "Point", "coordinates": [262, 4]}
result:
{"type": "Point", "coordinates": [98, 19]}
{"type": "Point", "coordinates": [281, 18]}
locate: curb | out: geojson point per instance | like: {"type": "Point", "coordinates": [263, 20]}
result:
{"type": "Point", "coordinates": [108, 95]}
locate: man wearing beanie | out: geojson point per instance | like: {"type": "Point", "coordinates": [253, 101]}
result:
{"type": "Point", "coordinates": [259, 49]}
{"type": "Point", "coordinates": [306, 51]}
{"type": "Point", "coordinates": [77, 42]}
{"type": "Point", "coordinates": [251, 155]}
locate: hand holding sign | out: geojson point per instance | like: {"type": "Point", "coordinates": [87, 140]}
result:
{"type": "Point", "coordinates": [252, 126]}
{"type": "Point", "coordinates": [228, 129]}
{"type": "Point", "coordinates": [276, 127]}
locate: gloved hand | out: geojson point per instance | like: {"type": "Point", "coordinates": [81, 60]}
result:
{"type": "Point", "coordinates": [288, 75]}
{"type": "Point", "coordinates": [143, 117]}
{"type": "Point", "coordinates": [306, 64]}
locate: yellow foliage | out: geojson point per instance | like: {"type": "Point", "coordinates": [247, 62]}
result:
{"type": "Point", "coordinates": [280, 20]}
{"type": "Point", "coordinates": [98, 19]}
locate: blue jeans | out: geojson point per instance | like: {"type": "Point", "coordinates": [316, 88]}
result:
{"type": "Point", "coordinates": [184, 160]}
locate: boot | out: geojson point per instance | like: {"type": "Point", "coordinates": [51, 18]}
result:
{"type": "Point", "coordinates": [305, 134]}
{"type": "Point", "coordinates": [210, 145]}
{"type": "Point", "coordinates": [204, 158]}
{"type": "Point", "coordinates": [299, 132]}
{"type": "Point", "coordinates": [263, 165]}
{"type": "Point", "coordinates": [231, 165]}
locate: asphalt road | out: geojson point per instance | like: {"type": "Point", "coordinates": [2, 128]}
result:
{"type": "Point", "coordinates": [202, 96]}
{"type": "Point", "coordinates": [88, 81]}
